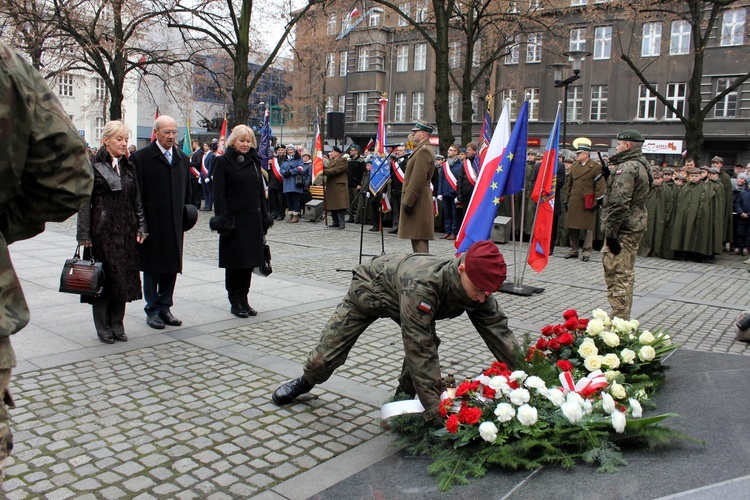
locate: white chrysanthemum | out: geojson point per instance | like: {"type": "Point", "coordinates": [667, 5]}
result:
{"type": "Point", "coordinates": [518, 375]}
{"type": "Point", "coordinates": [534, 382]}
{"type": "Point", "coordinates": [505, 412]}
{"type": "Point", "coordinates": [519, 396]}
{"type": "Point", "coordinates": [527, 415]}
{"type": "Point", "coordinates": [488, 431]}
{"type": "Point", "coordinates": [499, 383]}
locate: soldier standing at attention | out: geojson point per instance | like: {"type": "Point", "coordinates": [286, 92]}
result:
{"type": "Point", "coordinates": [625, 219]}
{"type": "Point", "coordinates": [415, 291]}
{"type": "Point", "coordinates": [418, 219]}
{"type": "Point", "coordinates": [47, 176]}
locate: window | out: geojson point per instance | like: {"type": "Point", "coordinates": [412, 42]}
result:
{"type": "Point", "coordinates": [533, 96]}
{"type": "Point", "coordinates": [578, 39]}
{"type": "Point", "coordinates": [646, 103]}
{"type": "Point", "coordinates": [512, 96]}
{"type": "Point", "coordinates": [346, 22]}
{"type": "Point", "coordinates": [399, 110]}
{"type": "Point", "coordinates": [375, 17]}
{"type": "Point", "coordinates": [342, 104]}
{"type": "Point", "coordinates": [651, 43]}
{"type": "Point", "coordinates": [100, 89]}
{"type": "Point", "coordinates": [513, 53]}
{"type": "Point", "coordinates": [726, 107]}
{"type": "Point", "coordinates": [343, 62]}
{"type": "Point", "coordinates": [65, 86]}
{"type": "Point", "coordinates": [454, 54]}
{"type": "Point", "coordinates": [363, 59]}
{"type": "Point", "coordinates": [332, 27]}
{"type": "Point", "coordinates": [329, 104]}
{"type": "Point", "coordinates": [417, 106]}
{"type": "Point", "coordinates": [420, 57]}
{"type": "Point", "coordinates": [598, 102]}
{"type": "Point", "coordinates": [331, 64]}
{"type": "Point", "coordinates": [733, 27]}
{"type": "Point", "coordinates": [474, 106]}
{"type": "Point", "coordinates": [421, 14]}
{"type": "Point", "coordinates": [99, 128]}
{"type": "Point", "coordinates": [577, 3]}
{"type": "Point", "coordinates": [454, 104]}
{"type": "Point", "coordinates": [534, 48]}
{"type": "Point", "coordinates": [676, 97]}
{"type": "Point", "coordinates": [361, 109]}
{"type": "Point", "coordinates": [679, 43]}
{"type": "Point", "coordinates": [402, 58]}
{"type": "Point", "coordinates": [406, 9]}
{"type": "Point", "coordinates": [602, 42]}
{"type": "Point", "coordinates": [476, 56]}
{"type": "Point", "coordinates": [575, 103]}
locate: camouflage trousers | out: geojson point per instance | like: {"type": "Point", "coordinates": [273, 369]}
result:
{"type": "Point", "coordinates": [6, 436]}
{"type": "Point", "coordinates": [619, 274]}
{"type": "Point", "coordinates": [360, 307]}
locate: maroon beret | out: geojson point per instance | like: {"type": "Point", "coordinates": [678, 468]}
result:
{"type": "Point", "coordinates": [485, 266]}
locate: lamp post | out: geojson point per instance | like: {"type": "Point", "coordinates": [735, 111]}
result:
{"type": "Point", "coordinates": [577, 57]}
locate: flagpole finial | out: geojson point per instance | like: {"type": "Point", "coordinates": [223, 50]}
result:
{"type": "Point", "coordinates": [384, 95]}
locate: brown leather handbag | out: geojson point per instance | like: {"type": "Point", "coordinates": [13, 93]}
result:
{"type": "Point", "coordinates": [82, 276]}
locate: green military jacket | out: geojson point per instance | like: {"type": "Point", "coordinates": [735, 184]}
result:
{"type": "Point", "coordinates": [45, 175]}
{"type": "Point", "coordinates": [627, 191]}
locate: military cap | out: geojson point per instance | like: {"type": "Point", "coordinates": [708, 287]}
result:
{"type": "Point", "coordinates": [569, 158]}
{"type": "Point", "coordinates": [630, 135]}
{"type": "Point", "coordinates": [718, 159]}
{"type": "Point", "coordinates": [485, 266]}
{"type": "Point", "coordinates": [705, 167]}
{"type": "Point", "coordinates": [714, 170]}
{"type": "Point", "coordinates": [657, 175]}
{"type": "Point", "coordinates": [668, 170]}
{"type": "Point", "coordinates": [368, 159]}
{"type": "Point", "coordinates": [424, 126]}
{"type": "Point", "coordinates": [439, 157]}
{"type": "Point", "coordinates": [695, 170]}
{"type": "Point", "coordinates": [354, 146]}
{"type": "Point", "coordinates": [582, 144]}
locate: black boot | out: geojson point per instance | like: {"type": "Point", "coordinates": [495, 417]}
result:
{"type": "Point", "coordinates": [248, 308]}
{"type": "Point", "coordinates": [237, 308]}
{"type": "Point", "coordinates": [288, 392]}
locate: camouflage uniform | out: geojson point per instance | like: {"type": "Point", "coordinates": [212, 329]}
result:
{"type": "Point", "coordinates": [415, 291]}
{"type": "Point", "coordinates": [625, 218]}
{"type": "Point", "coordinates": [46, 176]}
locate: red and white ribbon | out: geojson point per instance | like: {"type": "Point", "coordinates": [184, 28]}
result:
{"type": "Point", "coordinates": [587, 386]}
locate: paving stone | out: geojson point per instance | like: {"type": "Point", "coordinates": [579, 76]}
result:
{"type": "Point", "coordinates": [161, 473]}
{"type": "Point", "coordinates": [184, 465]}
{"type": "Point", "coordinates": [165, 489]}
{"type": "Point", "coordinates": [138, 483]}
{"type": "Point", "coordinates": [112, 493]}
{"type": "Point", "coordinates": [86, 484]}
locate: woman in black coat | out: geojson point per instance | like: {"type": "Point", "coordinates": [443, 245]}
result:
{"type": "Point", "coordinates": [241, 216]}
{"type": "Point", "coordinates": [112, 224]}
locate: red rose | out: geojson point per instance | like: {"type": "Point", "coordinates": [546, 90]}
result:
{"type": "Point", "coordinates": [565, 365]}
{"type": "Point", "coordinates": [548, 331]}
{"type": "Point", "coordinates": [469, 415]}
{"type": "Point", "coordinates": [565, 339]}
{"type": "Point", "coordinates": [570, 313]}
{"type": "Point", "coordinates": [559, 329]}
{"type": "Point", "coordinates": [571, 324]}
{"type": "Point", "coordinates": [488, 392]}
{"type": "Point", "coordinates": [554, 344]}
{"type": "Point", "coordinates": [466, 387]}
{"type": "Point", "coordinates": [497, 368]}
{"type": "Point", "coordinates": [445, 406]}
{"type": "Point", "coordinates": [583, 323]}
{"type": "Point", "coordinates": [541, 344]}
{"type": "Point", "coordinates": [451, 425]}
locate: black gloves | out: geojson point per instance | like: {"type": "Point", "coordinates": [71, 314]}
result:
{"type": "Point", "coordinates": [407, 209]}
{"type": "Point", "coordinates": [267, 221]}
{"type": "Point", "coordinates": [222, 224]}
{"type": "Point", "coordinates": [614, 246]}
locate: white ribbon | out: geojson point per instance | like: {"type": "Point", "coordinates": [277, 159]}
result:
{"type": "Point", "coordinates": [400, 408]}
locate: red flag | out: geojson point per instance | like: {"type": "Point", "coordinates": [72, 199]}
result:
{"type": "Point", "coordinates": [222, 137]}
{"type": "Point", "coordinates": [354, 13]}
{"type": "Point", "coordinates": [153, 132]}
{"type": "Point", "coordinates": [318, 158]}
{"type": "Point", "coordinates": [370, 145]}
{"type": "Point", "coordinates": [544, 195]}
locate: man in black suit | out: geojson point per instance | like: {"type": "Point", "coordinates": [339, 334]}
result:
{"type": "Point", "coordinates": [163, 179]}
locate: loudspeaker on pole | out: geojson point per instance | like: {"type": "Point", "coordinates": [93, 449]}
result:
{"type": "Point", "coordinates": [335, 125]}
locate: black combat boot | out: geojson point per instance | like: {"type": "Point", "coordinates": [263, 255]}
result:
{"type": "Point", "coordinates": [288, 392]}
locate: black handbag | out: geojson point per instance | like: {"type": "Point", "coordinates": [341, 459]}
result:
{"type": "Point", "coordinates": [265, 269]}
{"type": "Point", "coordinates": [299, 180]}
{"type": "Point", "coordinates": [82, 276]}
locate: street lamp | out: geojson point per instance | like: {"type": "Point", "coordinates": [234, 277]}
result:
{"type": "Point", "coordinates": [576, 57]}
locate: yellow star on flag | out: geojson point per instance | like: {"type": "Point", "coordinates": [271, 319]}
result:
{"type": "Point", "coordinates": [510, 156]}
{"type": "Point", "coordinates": [499, 168]}
{"type": "Point", "coordinates": [493, 185]}
{"type": "Point", "coordinates": [496, 201]}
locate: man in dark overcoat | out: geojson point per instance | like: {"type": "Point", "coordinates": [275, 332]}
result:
{"type": "Point", "coordinates": [417, 212]}
{"type": "Point", "coordinates": [163, 178]}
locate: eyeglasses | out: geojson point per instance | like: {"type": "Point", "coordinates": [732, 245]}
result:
{"type": "Point", "coordinates": [169, 132]}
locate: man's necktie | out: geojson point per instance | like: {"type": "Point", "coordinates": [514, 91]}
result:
{"type": "Point", "coordinates": [168, 154]}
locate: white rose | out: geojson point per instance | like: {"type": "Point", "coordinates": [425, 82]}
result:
{"type": "Point", "coordinates": [618, 421]}
{"type": "Point", "coordinates": [593, 363]}
{"type": "Point", "coordinates": [602, 315]}
{"type": "Point", "coordinates": [556, 397]}
{"type": "Point", "coordinates": [634, 324]}
{"type": "Point", "coordinates": [488, 431]}
{"type": "Point", "coordinates": [611, 360]}
{"type": "Point", "coordinates": [627, 356]}
{"type": "Point", "coordinates": [535, 382]}
{"type": "Point", "coordinates": [595, 327]}
{"type": "Point", "coordinates": [646, 353]}
{"type": "Point", "coordinates": [587, 348]}
{"type": "Point", "coordinates": [518, 375]}
{"type": "Point", "coordinates": [611, 375]}
{"type": "Point", "coordinates": [608, 403]}
{"type": "Point", "coordinates": [504, 412]}
{"type": "Point", "coordinates": [499, 383]}
{"type": "Point", "coordinates": [646, 337]}
{"type": "Point", "coordinates": [618, 391]}
{"type": "Point", "coordinates": [527, 415]}
{"type": "Point", "coordinates": [622, 325]}
{"type": "Point", "coordinates": [519, 396]}
{"type": "Point", "coordinates": [636, 408]}
{"type": "Point", "coordinates": [572, 411]}
{"type": "Point", "coordinates": [611, 339]}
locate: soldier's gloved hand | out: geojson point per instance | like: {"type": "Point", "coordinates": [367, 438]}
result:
{"type": "Point", "coordinates": [407, 209]}
{"type": "Point", "coordinates": [440, 197]}
{"type": "Point", "coordinates": [614, 246]}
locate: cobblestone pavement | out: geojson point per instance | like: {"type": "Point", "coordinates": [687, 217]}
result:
{"type": "Point", "coordinates": [187, 414]}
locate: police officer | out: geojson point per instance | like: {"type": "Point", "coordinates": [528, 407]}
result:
{"type": "Point", "coordinates": [414, 290]}
{"type": "Point", "coordinates": [625, 219]}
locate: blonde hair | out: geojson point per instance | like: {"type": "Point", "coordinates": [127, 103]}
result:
{"type": "Point", "coordinates": [113, 128]}
{"type": "Point", "coordinates": [242, 131]}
